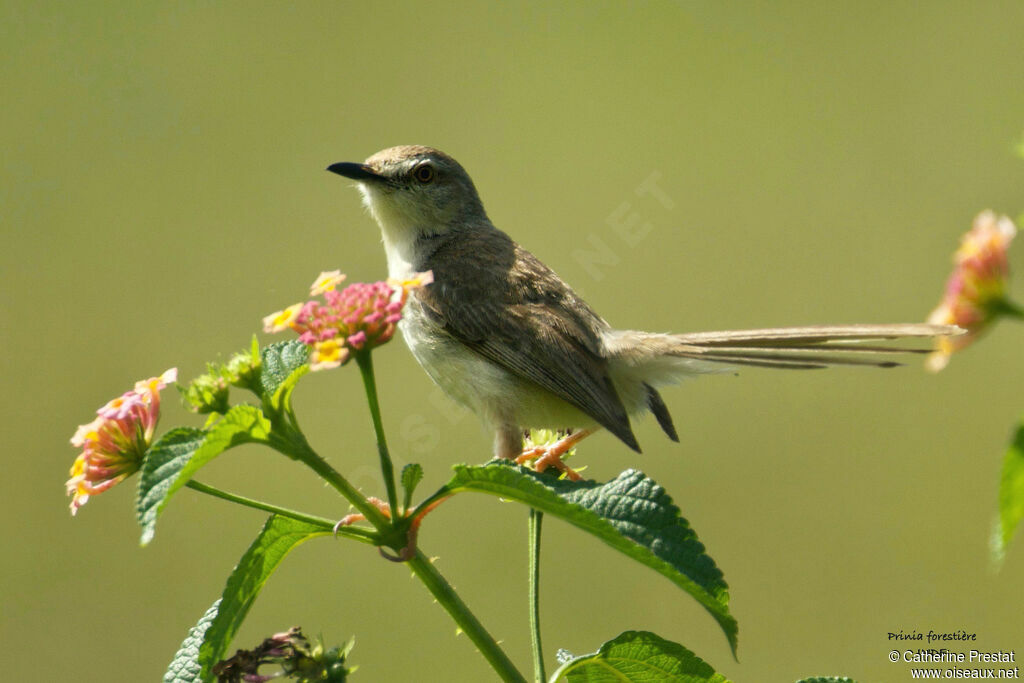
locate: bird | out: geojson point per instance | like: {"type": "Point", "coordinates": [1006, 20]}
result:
{"type": "Point", "coordinates": [502, 334]}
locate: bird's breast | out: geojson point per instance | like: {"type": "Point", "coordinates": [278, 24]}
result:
{"type": "Point", "coordinates": [497, 395]}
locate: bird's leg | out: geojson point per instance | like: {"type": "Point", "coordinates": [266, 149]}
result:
{"type": "Point", "coordinates": [550, 455]}
{"type": "Point", "coordinates": [409, 550]}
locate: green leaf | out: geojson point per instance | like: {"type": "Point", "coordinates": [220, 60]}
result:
{"type": "Point", "coordinates": [827, 679]}
{"type": "Point", "coordinates": [411, 476]}
{"type": "Point", "coordinates": [631, 513]}
{"type": "Point", "coordinates": [1011, 495]}
{"type": "Point", "coordinates": [160, 468]}
{"type": "Point", "coordinates": [277, 538]}
{"type": "Point", "coordinates": [279, 362]}
{"type": "Point", "coordinates": [282, 366]}
{"type": "Point", "coordinates": [185, 668]}
{"type": "Point", "coordinates": [178, 455]}
{"type": "Point", "coordinates": [638, 657]}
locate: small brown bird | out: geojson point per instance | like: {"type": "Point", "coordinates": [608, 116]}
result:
{"type": "Point", "coordinates": [502, 334]}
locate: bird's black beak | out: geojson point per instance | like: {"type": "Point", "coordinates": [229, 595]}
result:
{"type": "Point", "coordinates": [354, 171]}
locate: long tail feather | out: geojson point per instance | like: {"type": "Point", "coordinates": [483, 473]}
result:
{"type": "Point", "coordinates": [790, 348]}
{"type": "Point", "coordinates": [812, 361]}
{"type": "Point", "coordinates": [801, 348]}
{"type": "Point", "coordinates": [776, 337]}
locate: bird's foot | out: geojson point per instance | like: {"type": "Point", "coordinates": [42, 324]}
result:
{"type": "Point", "coordinates": [409, 550]}
{"type": "Point", "coordinates": [349, 520]}
{"type": "Point", "coordinates": [550, 455]}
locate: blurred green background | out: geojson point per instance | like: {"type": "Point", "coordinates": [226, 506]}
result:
{"type": "Point", "coordinates": [163, 188]}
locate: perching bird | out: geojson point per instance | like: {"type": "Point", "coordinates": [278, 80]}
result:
{"type": "Point", "coordinates": [502, 334]}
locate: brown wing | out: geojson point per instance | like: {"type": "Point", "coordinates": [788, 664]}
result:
{"type": "Point", "coordinates": [503, 303]}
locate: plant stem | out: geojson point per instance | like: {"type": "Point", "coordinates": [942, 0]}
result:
{"type": "Point", "coordinates": [1008, 308]}
{"type": "Point", "coordinates": [358, 534]}
{"type": "Point", "coordinates": [312, 459]}
{"type": "Point", "coordinates": [365, 361]}
{"type": "Point", "coordinates": [468, 623]}
{"type": "Point", "coordinates": [534, 527]}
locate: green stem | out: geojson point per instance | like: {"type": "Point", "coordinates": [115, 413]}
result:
{"type": "Point", "coordinates": [440, 494]}
{"type": "Point", "coordinates": [1008, 308]}
{"type": "Point", "coordinates": [468, 623]}
{"type": "Point", "coordinates": [286, 437]}
{"type": "Point", "coordinates": [365, 361]}
{"type": "Point", "coordinates": [356, 533]}
{"type": "Point", "coordinates": [534, 527]}
{"type": "Point", "coordinates": [340, 484]}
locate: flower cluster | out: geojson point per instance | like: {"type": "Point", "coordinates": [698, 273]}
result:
{"type": "Point", "coordinates": [976, 290]}
{"type": "Point", "coordinates": [361, 316]}
{"type": "Point", "coordinates": [114, 444]}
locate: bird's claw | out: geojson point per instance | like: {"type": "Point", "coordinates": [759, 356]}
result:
{"type": "Point", "coordinates": [544, 457]}
{"type": "Point", "coordinates": [409, 551]}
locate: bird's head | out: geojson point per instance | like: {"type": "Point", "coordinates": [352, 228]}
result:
{"type": "Point", "coordinates": [413, 191]}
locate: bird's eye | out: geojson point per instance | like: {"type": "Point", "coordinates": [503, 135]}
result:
{"type": "Point", "coordinates": [424, 173]}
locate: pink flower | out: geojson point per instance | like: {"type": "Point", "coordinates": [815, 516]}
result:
{"type": "Point", "coordinates": [976, 290]}
{"type": "Point", "coordinates": [361, 316]}
{"type": "Point", "coordinates": [281, 320]}
{"type": "Point", "coordinates": [327, 281]}
{"type": "Point", "coordinates": [114, 444]}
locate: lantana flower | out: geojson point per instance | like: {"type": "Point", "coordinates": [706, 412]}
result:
{"type": "Point", "coordinates": [976, 290]}
{"type": "Point", "coordinates": [114, 444]}
{"type": "Point", "coordinates": [361, 316]}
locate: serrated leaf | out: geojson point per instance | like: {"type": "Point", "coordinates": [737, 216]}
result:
{"type": "Point", "coordinates": [161, 466]}
{"type": "Point", "coordinates": [282, 398]}
{"type": "Point", "coordinates": [631, 513]}
{"type": "Point", "coordinates": [827, 679]}
{"type": "Point", "coordinates": [277, 538]}
{"type": "Point", "coordinates": [279, 361]}
{"type": "Point", "coordinates": [638, 657]}
{"type": "Point", "coordinates": [176, 457]}
{"type": "Point", "coordinates": [185, 668]}
{"type": "Point", "coordinates": [1011, 494]}
{"type": "Point", "coordinates": [240, 425]}
{"type": "Point", "coordinates": [411, 476]}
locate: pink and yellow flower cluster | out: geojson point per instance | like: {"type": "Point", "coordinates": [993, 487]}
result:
{"type": "Point", "coordinates": [976, 290]}
{"type": "Point", "coordinates": [114, 444]}
{"type": "Point", "coordinates": [361, 316]}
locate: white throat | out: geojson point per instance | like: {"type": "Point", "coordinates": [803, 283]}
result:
{"type": "Point", "coordinates": [398, 231]}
